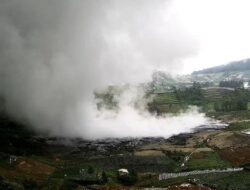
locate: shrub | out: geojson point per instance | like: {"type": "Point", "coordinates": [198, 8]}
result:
{"type": "Point", "coordinates": [129, 179]}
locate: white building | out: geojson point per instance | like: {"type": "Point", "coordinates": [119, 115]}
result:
{"type": "Point", "coordinates": [123, 171]}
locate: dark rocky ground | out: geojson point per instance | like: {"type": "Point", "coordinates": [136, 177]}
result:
{"type": "Point", "coordinates": [29, 160]}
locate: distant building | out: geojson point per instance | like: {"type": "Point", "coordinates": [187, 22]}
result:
{"type": "Point", "coordinates": [123, 172]}
{"type": "Point", "coordinates": [12, 159]}
{"type": "Point", "coordinates": [245, 84]}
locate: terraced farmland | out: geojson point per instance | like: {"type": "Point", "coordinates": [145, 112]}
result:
{"type": "Point", "coordinates": [166, 98]}
{"type": "Point", "coordinates": [216, 93]}
{"type": "Point", "coordinates": [165, 103]}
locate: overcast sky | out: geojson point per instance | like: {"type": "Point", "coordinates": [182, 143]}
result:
{"type": "Point", "coordinates": [221, 28]}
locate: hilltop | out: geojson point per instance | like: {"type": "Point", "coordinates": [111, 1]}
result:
{"type": "Point", "coordinates": [241, 65]}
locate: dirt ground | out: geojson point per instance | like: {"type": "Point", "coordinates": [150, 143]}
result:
{"type": "Point", "coordinates": [149, 153]}
{"type": "Point", "coordinates": [237, 156]}
{"type": "Point", "coordinates": [32, 167]}
{"type": "Point", "coordinates": [229, 139]}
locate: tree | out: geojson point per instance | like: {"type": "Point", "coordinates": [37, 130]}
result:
{"type": "Point", "coordinates": [90, 170]}
{"type": "Point", "coordinates": [104, 177]}
{"type": "Point", "coordinates": [231, 84]}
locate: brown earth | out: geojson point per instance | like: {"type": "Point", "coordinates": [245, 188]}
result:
{"type": "Point", "coordinates": [166, 147]}
{"type": "Point", "coordinates": [27, 168]}
{"type": "Point", "coordinates": [236, 156]}
{"type": "Point", "coordinates": [229, 139]}
{"type": "Point", "coordinates": [199, 155]}
{"type": "Point", "coordinates": [149, 153]}
{"type": "Point", "coordinates": [200, 137]}
{"type": "Point", "coordinates": [32, 167]}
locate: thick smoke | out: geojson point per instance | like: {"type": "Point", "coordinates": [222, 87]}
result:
{"type": "Point", "coordinates": [55, 53]}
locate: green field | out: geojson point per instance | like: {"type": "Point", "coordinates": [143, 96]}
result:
{"type": "Point", "coordinates": [206, 160]}
{"type": "Point", "coordinates": [167, 98]}
{"type": "Point", "coordinates": [239, 126]}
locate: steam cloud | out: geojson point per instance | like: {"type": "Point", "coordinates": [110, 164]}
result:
{"type": "Point", "coordinates": [55, 53]}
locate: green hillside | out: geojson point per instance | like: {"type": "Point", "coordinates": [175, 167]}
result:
{"type": "Point", "coordinates": [166, 98]}
{"type": "Point", "coordinates": [216, 94]}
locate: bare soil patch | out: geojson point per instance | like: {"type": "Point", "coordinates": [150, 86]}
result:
{"type": "Point", "coordinates": [237, 156]}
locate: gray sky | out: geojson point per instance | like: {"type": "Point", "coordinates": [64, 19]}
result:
{"type": "Point", "coordinates": [220, 27]}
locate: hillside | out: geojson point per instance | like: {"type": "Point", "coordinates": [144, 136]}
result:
{"type": "Point", "coordinates": [241, 65]}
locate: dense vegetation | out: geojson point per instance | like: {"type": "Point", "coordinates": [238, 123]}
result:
{"type": "Point", "coordinates": [213, 99]}
{"type": "Point", "coordinates": [190, 96]}
{"type": "Point", "coordinates": [233, 102]}
{"type": "Point", "coordinates": [232, 84]}
{"type": "Point", "coordinates": [107, 99]}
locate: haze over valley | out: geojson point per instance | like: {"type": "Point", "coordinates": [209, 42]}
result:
{"type": "Point", "coordinates": [134, 94]}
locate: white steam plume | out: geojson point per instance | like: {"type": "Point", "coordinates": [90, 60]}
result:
{"type": "Point", "coordinates": [55, 53]}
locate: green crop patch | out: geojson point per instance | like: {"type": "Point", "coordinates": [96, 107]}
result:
{"type": "Point", "coordinates": [206, 160]}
